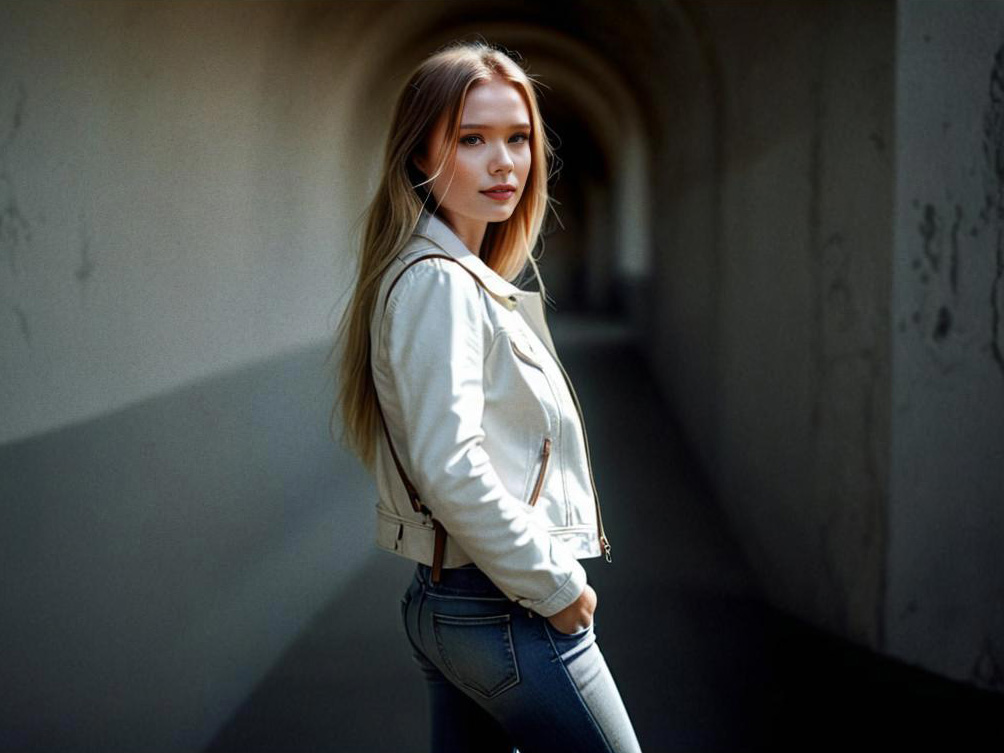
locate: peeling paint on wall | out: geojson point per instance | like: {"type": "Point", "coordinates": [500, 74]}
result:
{"type": "Point", "coordinates": [939, 308]}
{"type": "Point", "coordinates": [993, 152]}
{"type": "Point", "coordinates": [15, 230]}
{"type": "Point", "coordinates": [937, 315]}
{"type": "Point", "coordinates": [945, 563]}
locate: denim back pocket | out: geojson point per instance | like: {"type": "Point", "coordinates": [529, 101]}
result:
{"type": "Point", "coordinates": [478, 651]}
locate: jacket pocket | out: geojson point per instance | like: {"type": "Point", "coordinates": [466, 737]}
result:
{"type": "Point", "coordinates": [545, 454]}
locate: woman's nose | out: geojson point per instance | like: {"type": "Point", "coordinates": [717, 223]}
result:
{"type": "Point", "coordinates": [501, 159]}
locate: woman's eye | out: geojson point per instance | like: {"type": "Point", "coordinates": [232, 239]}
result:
{"type": "Point", "coordinates": [522, 137]}
{"type": "Point", "coordinates": [469, 140]}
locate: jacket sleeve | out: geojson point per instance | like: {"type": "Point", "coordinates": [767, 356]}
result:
{"type": "Point", "coordinates": [434, 334]}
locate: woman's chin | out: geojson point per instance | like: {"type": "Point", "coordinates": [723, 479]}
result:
{"type": "Point", "coordinates": [503, 213]}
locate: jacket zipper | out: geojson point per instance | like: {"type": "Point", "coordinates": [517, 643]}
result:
{"type": "Point", "coordinates": [545, 452]}
{"type": "Point", "coordinates": [604, 542]}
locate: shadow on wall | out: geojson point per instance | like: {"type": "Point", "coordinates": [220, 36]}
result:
{"type": "Point", "coordinates": [154, 561]}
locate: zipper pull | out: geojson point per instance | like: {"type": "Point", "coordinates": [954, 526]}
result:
{"type": "Point", "coordinates": [606, 549]}
{"type": "Point", "coordinates": [545, 451]}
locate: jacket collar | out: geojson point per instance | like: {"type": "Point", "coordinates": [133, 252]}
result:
{"type": "Point", "coordinates": [436, 231]}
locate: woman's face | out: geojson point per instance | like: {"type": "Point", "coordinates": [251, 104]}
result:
{"type": "Point", "coordinates": [492, 150]}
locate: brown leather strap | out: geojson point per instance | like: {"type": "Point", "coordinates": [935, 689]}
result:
{"type": "Point", "coordinates": [416, 503]}
{"type": "Point", "coordinates": [437, 557]}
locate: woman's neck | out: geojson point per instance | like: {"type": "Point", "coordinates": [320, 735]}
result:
{"type": "Point", "coordinates": [471, 232]}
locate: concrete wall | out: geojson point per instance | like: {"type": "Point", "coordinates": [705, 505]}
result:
{"type": "Point", "coordinates": [173, 178]}
{"type": "Point", "coordinates": [773, 290]}
{"type": "Point", "coordinates": [804, 324]}
{"type": "Point", "coordinates": [827, 309]}
{"type": "Point", "coordinates": [945, 602]}
{"type": "Point", "coordinates": [176, 198]}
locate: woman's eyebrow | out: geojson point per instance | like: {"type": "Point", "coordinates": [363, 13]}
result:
{"type": "Point", "coordinates": [466, 126]}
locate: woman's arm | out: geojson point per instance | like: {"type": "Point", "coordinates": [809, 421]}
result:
{"type": "Point", "coordinates": [434, 334]}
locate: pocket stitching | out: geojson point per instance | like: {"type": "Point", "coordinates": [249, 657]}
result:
{"type": "Point", "coordinates": [512, 676]}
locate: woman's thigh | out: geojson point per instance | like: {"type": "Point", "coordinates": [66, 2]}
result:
{"type": "Point", "coordinates": [550, 692]}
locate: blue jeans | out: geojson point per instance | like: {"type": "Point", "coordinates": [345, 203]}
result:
{"type": "Point", "coordinates": [502, 677]}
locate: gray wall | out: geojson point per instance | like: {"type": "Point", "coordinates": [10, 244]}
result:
{"type": "Point", "coordinates": [826, 317]}
{"type": "Point", "coordinates": [175, 208]}
{"type": "Point", "coordinates": [771, 328]}
{"type": "Point", "coordinates": [175, 186]}
{"type": "Point", "coordinates": [945, 602]}
{"type": "Point", "coordinates": [155, 561]}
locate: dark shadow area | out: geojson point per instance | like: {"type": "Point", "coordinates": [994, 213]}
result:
{"type": "Point", "coordinates": [155, 560]}
{"type": "Point", "coordinates": [701, 662]}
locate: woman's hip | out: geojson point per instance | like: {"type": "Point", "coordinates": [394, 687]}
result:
{"type": "Point", "coordinates": [551, 690]}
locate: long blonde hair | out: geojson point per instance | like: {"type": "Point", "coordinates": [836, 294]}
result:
{"type": "Point", "coordinates": [436, 88]}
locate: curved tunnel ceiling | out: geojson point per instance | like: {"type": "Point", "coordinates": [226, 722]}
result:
{"type": "Point", "coordinates": [591, 82]}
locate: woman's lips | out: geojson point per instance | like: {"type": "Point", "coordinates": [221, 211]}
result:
{"type": "Point", "coordinates": [500, 195]}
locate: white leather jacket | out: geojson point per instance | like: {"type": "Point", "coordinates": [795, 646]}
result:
{"type": "Point", "coordinates": [485, 423]}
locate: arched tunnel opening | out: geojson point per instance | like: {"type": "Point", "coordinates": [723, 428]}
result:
{"type": "Point", "coordinates": [774, 287]}
{"type": "Point", "coordinates": [596, 249]}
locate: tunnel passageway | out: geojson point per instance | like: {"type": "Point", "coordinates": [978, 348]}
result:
{"type": "Point", "coordinates": [796, 207]}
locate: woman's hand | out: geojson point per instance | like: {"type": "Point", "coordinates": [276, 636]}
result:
{"type": "Point", "coordinates": [576, 616]}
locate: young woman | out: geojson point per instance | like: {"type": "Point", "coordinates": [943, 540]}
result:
{"type": "Point", "coordinates": [452, 394]}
